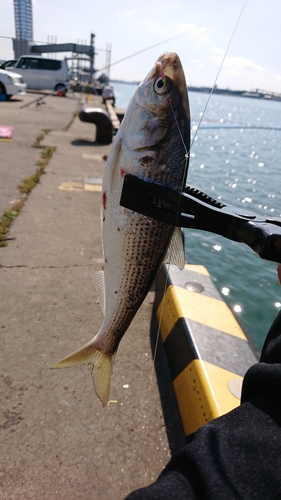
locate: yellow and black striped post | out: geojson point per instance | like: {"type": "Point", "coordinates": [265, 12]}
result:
{"type": "Point", "coordinates": [207, 351]}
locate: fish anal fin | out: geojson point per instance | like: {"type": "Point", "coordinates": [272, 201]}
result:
{"type": "Point", "coordinates": [175, 251]}
{"type": "Point", "coordinates": [101, 371]}
{"type": "Point", "coordinates": [98, 278]}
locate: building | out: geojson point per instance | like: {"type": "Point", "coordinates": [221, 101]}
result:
{"type": "Point", "coordinates": [23, 19]}
{"type": "Point", "coordinates": [24, 26]}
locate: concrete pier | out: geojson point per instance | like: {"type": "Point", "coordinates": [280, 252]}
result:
{"type": "Point", "coordinates": [57, 442]}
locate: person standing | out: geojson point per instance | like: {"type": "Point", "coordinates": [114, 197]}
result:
{"type": "Point", "coordinates": [108, 94]}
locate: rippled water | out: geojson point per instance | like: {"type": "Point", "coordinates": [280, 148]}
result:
{"type": "Point", "coordinates": [235, 157]}
{"type": "Point", "coordinates": [239, 166]}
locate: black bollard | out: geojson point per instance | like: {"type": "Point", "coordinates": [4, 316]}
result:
{"type": "Point", "coordinates": [102, 121]}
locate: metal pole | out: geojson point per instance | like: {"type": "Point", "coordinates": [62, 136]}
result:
{"type": "Point", "coordinates": [109, 60]}
{"type": "Point", "coordinates": [92, 56]}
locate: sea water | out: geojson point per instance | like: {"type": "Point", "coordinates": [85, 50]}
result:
{"type": "Point", "coordinates": [235, 157]}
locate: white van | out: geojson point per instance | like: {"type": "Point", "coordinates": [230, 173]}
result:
{"type": "Point", "coordinates": [41, 73]}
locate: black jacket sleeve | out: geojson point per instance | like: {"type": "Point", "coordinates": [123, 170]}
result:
{"type": "Point", "coordinates": [236, 456]}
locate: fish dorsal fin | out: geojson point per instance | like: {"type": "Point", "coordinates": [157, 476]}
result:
{"type": "Point", "coordinates": [175, 251]}
{"type": "Point", "coordinates": [98, 278]}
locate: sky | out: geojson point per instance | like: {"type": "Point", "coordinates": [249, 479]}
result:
{"type": "Point", "coordinates": [203, 31]}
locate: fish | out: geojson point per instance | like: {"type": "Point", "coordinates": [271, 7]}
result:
{"type": "Point", "coordinates": [152, 143]}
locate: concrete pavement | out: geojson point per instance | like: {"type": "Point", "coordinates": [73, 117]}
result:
{"type": "Point", "coordinates": [57, 442]}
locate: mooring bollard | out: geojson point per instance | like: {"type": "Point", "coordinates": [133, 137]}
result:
{"type": "Point", "coordinates": [102, 121]}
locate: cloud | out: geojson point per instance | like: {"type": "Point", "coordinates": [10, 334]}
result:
{"type": "Point", "coordinates": [237, 64]}
{"type": "Point", "coordinates": [197, 63]}
{"type": "Point", "coordinates": [217, 50]}
{"type": "Point", "coordinates": [195, 33]}
{"type": "Point", "coordinates": [242, 62]}
{"type": "Point", "coordinates": [155, 28]}
{"type": "Point", "coordinates": [130, 13]}
{"type": "Point", "coordinates": [244, 73]}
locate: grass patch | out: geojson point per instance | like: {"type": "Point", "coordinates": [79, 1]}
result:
{"type": "Point", "coordinates": [8, 217]}
{"type": "Point", "coordinates": [26, 186]}
{"type": "Point", "coordinates": [6, 220]}
{"type": "Point", "coordinates": [29, 183]}
{"type": "Point", "coordinates": [71, 121]}
{"type": "Point", "coordinates": [37, 142]}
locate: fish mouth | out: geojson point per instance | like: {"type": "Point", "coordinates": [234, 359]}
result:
{"type": "Point", "coordinates": [169, 65]}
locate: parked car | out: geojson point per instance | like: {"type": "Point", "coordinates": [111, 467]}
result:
{"type": "Point", "coordinates": [41, 73]}
{"type": "Point", "coordinates": [8, 64]}
{"type": "Point", "coordinates": [11, 84]}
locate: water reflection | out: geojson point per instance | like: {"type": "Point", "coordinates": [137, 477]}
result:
{"type": "Point", "coordinates": [240, 166]}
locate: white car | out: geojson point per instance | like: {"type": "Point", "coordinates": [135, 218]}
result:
{"type": "Point", "coordinates": [11, 84]}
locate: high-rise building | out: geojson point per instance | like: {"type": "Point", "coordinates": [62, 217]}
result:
{"type": "Point", "coordinates": [23, 19]}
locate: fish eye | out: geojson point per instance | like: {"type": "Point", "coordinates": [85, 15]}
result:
{"type": "Point", "coordinates": [161, 85]}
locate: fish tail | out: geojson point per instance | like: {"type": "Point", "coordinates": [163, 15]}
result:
{"type": "Point", "coordinates": [101, 371]}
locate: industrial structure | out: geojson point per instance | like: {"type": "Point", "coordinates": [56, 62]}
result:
{"type": "Point", "coordinates": [23, 43]}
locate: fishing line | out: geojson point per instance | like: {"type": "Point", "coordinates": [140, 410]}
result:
{"type": "Point", "coordinates": [219, 70]}
{"type": "Point", "coordinates": [204, 111]}
{"type": "Point", "coordinates": [240, 127]}
{"type": "Point", "coordinates": [187, 152]}
{"type": "Point", "coordinates": [177, 215]}
{"type": "Point", "coordinates": [169, 262]}
{"type": "Point", "coordinates": [143, 50]}
{"type": "Point", "coordinates": [182, 139]}
{"type": "Point", "coordinates": [159, 323]}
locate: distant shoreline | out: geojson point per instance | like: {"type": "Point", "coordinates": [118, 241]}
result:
{"type": "Point", "coordinates": [257, 94]}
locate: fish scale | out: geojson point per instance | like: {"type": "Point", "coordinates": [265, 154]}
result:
{"type": "Point", "coordinates": [151, 142]}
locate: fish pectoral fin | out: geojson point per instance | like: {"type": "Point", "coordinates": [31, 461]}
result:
{"type": "Point", "coordinates": [112, 163]}
{"type": "Point", "coordinates": [175, 251]}
{"type": "Point", "coordinates": [98, 277]}
{"type": "Point", "coordinates": [101, 371]}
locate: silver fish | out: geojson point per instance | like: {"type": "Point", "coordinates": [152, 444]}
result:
{"type": "Point", "coordinates": [152, 143]}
